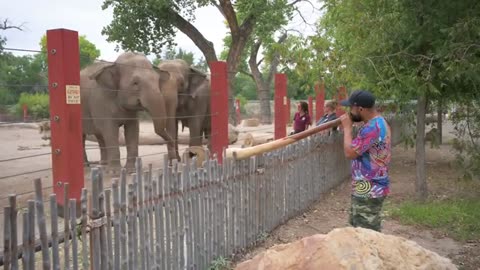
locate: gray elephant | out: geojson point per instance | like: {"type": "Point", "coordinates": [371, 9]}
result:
{"type": "Point", "coordinates": [111, 96]}
{"type": "Point", "coordinates": [187, 99]}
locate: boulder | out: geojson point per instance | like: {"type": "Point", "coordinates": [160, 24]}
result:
{"type": "Point", "coordinates": [348, 248]}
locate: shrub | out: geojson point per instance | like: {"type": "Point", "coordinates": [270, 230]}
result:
{"type": "Point", "coordinates": [6, 97]}
{"type": "Point", "coordinates": [37, 104]}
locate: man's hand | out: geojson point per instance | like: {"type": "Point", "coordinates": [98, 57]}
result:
{"type": "Point", "coordinates": [346, 121]}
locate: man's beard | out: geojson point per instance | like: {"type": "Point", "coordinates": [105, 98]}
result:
{"type": "Point", "coordinates": [355, 117]}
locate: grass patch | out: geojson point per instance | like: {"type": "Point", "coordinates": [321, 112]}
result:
{"type": "Point", "coordinates": [459, 218]}
{"type": "Point", "coordinates": [221, 263]}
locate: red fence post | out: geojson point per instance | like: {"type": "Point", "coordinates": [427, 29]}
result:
{"type": "Point", "coordinates": [237, 109]}
{"type": "Point", "coordinates": [219, 108]}
{"type": "Point", "coordinates": [341, 95]}
{"type": "Point", "coordinates": [310, 109]}
{"type": "Point", "coordinates": [280, 102]}
{"type": "Point", "coordinates": [288, 111]}
{"type": "Point", "coordinates": [65, 113]}
{"type": "Point", "coordinates": [25, 112]}
{"type": "Point", "coordinates": [319, 100]}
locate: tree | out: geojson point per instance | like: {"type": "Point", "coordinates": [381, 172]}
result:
{"type": "Point", "coordinates": [148, 26]}
{"type": "Point", "coordinates": [172, 53]}
{"type": "Point", "coordinates": [402, 50]}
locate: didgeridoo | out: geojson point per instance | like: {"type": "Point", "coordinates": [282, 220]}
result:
{"type": "Point", "coordinates": [244, 153]}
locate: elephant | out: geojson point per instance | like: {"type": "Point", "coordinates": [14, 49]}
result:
{"type": "Point", "coordinates": [187, 99]}
{"type": "Point", "coordinates": [111, 96]}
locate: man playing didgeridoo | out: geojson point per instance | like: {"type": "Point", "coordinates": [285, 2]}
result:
{"type": "Point", "coordinates": [370, 152]}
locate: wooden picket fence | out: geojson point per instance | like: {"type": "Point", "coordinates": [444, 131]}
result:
{"type": "Point", "coordinates": [177, 217]}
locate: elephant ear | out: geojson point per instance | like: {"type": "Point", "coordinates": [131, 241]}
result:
{"type": "Point", "coordinates": [107, 76]}
{"type": "Point", "coordinates": [195, 81]}
{"type": "Point", "coordinates": [164, 76]}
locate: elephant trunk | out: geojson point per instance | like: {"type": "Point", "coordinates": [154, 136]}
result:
{"type": "Point", "coordinates": [155, 105]}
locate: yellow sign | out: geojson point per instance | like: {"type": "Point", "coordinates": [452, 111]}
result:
{"type": "Point", "coordinates": [73, 94]}
{"type": "Point", "coordinates": [284, 100]}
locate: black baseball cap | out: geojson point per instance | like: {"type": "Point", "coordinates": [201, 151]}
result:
{"type": "Point", "coordinates": [361, 98]}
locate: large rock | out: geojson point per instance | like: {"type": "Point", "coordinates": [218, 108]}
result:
{"type": "Point", "coordinates": [348, 248]}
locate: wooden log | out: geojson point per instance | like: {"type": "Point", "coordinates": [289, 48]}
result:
{"type": "Point", "coordinates": [249, 140]}
{"type": "Point", "coordinates": [243, 153]}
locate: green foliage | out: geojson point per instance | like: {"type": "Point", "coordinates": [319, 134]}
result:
{"type": "Point", "coordinates": [459, 217]}
{"type": "Point", "coordinates": [6, 97]}
{"type": "Point", "coordinates": [37, 104]}
{"type": "Point", "coordinates": [466, 120]}
{"type": "Point", "coordinates": [20, 74]}
{"type": "Point", "coordinates": [188, 57]}
{"type": "Point", "coordinates": [245, 86]}
{"type": "Point", "coordinates": [220, 263]}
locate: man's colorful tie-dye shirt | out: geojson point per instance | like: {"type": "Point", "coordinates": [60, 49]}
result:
{"type": "Point", "coordinates": [370, 169]}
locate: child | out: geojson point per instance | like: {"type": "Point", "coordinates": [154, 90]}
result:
{"type": "Point", "coordinates": [301, 120]}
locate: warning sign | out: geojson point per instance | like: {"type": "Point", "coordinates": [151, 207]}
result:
{"type": "Point", "coordinates": [73, 94]}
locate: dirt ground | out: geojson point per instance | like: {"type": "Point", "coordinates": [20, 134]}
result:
{"type": "Point", "coordinates": [332, 211]}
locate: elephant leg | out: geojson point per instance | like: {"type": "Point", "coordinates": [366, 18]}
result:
{"type": "Point", "coordinates": [112, 147]}
{"type": "Point", "coordinates": [207, 131]}
{"type": "Point", "coordinates": [172, 129]}
{"type": "Point", "coordinates": [176, 139]}
{"type": "Point", "coordinates": [85, 159]}
{"type": "Point", "coordinates": [103, 149]}
{"type": "Point", "coordinates": [132, 131]}
{"type": "Point", "coordinates": [196, 131]}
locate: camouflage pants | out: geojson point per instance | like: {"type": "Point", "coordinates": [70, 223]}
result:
{"type": "Point", "coordinates": [365, 212]}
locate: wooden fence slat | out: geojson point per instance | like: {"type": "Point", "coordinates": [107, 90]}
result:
{"type": "Point", "coordinates": [54, 233]}
{"type": "Point", "coordinates": [151, 235]}
{"type": "Point", "coordinates": [108, 228]}
{"type": "Point", "coordinates": [116, 225]}
{"type": "Point", "coordinates": [181, 213]}
{"type": "Point", "coordinates": [174, 216]}
{"type": "Point", "coordinates": [83, 228]}
{"type": "Point", "coordinates": [105, 260]}
{"type": "Point", "coordinates": [25, 255]}
{"type": "Point", "coordinates": [163, 213]}
{"type": "Point", "coordinates": [131, 226]}
{"type": "Point", "coordinates": [187, 215]}
{"type": "Point", "coordinates": [42, 226]}
{"type": "Point", "coordinates": [147, 212]}
{"type": "Point", "coordinates": [7, 240]}
{"type": "Point", "coordinates": [135, 225]}
{"type": "Point", "coordinates": [95, 215]}
{"type": "Point", "coordinates": [168, 247]}
{"type": "Point", "coordinates": [141, 214]}
{"type": "Point", "coordinates": [31, 233]}
{"type": "Point", "coordinates": [123, 220]}
{"type": "Point", "coordinates": [157, 257]}
{"type": "Point", "coordinates": [13, 228]}
{"type": "Point", "coordinates": [73, 223]}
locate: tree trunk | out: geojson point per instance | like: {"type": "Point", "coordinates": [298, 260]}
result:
{"type": "Point", "coordinates": [232, 116]}
{"type": "Point", "coordinates": [421, 189]}
{"type": "Point", "coordinates": [262, 85]}
{"type": "Point", "coordinates": [439, 120]}
{"type": "Point", "coordinates": [200, 41]}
